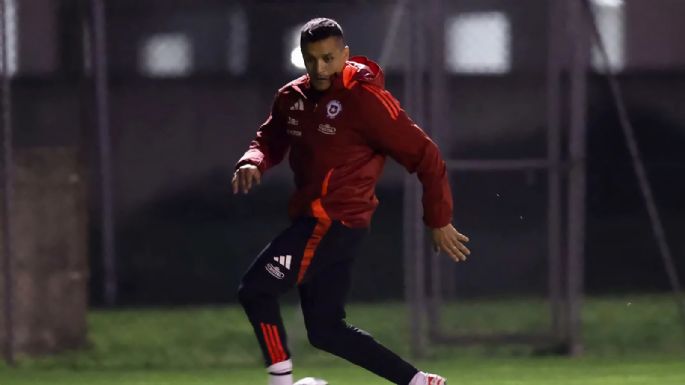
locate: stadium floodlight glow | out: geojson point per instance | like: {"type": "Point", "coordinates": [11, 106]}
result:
{"type": "Point", "coordinates": [294, 61]}
{"type": "Point", "coordinates": [610, 16]}
{"type": "Point", "coordinates": [608, 3]}
{"type": "Point", "coordinates": [478, 42]}
{"type": "Point", "coordinates": [166, 55]}
{"type": "Point", "coordinates": [11, 38]}
{"type": "Point", "coordinates": [296, 58]}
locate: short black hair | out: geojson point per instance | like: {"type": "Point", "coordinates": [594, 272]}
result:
{"type": "Point", "coordinates": [319, 29]}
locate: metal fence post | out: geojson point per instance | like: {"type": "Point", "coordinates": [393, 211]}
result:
{"type": "Point", "coordinates": [7, 182]}
{"type": "Point", "coordinates": [99, 60]}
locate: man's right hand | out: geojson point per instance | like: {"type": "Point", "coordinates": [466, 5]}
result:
{"type": "Point", "coordinates": [244, 178]}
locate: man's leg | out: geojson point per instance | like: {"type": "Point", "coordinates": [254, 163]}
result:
{"type": "Point", "coordinates": [323, 298]}
{"type": "Point", "coordinates": [272, 273]}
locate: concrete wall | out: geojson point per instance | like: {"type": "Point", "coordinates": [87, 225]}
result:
{"type": "Point", "coordinates": [50, 252]}
{"type": "Point", "coordinates": [39, 38]}
{"type": "Point", "coordinates": [654, 31]}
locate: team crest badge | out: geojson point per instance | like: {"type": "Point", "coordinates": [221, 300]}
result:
{"type": "Point", "coordinates": [333, 108]}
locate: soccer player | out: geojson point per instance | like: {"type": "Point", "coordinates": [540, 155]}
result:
{"type": "Point", "coordinates": [339, 124]}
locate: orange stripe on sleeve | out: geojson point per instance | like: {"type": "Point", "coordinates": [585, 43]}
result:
{"type": "Point", "coordinates": [279, 346]}
{"type": "Point", "coordinates": [387, 96]}
{"type": "Point", "coordinates": [388, 101]}
{"type": "Point", "coordinates": [269, 342]}
{"type": "Point", "coordinates": [391, 100]}
{"type": "Point", "coordinates": [392, 109]}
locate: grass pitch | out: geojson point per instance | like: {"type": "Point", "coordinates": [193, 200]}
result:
{"type": "Point", "coordinates": [629, 340]}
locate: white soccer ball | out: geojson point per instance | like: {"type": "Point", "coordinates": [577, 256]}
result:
{"type": "Point", "coordinates": [311, 381]}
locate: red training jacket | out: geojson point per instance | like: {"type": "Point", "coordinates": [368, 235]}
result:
{"type": "Point", "coordinates": [339, 144]}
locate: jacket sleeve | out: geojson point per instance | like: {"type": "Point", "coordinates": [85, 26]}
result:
{"type": "Point", "coordinates": [271, 143]}
{"type": "Point", "coordinates": [389, 130]}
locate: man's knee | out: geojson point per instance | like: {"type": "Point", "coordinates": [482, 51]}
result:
{"type": "Point", "coordinates": [325, 335]}
{"type": "Point", "coordinates": [320, 338]}
{"type": "Point", "coordinates": [248, 295]}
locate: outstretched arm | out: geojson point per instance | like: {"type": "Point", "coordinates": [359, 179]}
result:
{"type": "Point", "coordinates": [392, 132]}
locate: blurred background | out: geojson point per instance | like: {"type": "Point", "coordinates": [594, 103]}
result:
{"type": "Point", "coordinates": [123, 121]}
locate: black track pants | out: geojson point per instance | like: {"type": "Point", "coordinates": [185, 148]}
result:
{"type": "Point", "coordinates": [316, 256]}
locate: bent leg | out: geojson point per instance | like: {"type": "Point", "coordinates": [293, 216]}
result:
{"type": "Point", "coordinates": [323, 300]}
{"type": "Point", "coordinates": [273, 272]}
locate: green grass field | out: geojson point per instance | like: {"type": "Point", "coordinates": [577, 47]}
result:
{"type": "Point", "coordinates": [629, 340]}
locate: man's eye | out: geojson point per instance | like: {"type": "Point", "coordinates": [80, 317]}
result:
{"type": "Point", "coordinates": [328, 59]}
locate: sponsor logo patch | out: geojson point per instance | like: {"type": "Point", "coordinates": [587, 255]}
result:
{"type": "Point", "coordinates": [333, 109]}
{"type": "Point", "coordinates": [327, 129]}
{"type": "Point", "coordinates": [275, 271]}
{"type": "Point", "coordinates": [294, 132]}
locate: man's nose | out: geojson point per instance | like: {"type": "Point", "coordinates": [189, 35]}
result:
{"type": "Point", "coordinates": [320, 68]}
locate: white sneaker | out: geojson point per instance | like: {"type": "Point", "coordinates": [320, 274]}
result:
{"type": "Point", "coordinates": [434, 379]}
{"type": "Point", "coordinates": [311, 381]}
{"type": "Point", "coordinates": [423, 378]}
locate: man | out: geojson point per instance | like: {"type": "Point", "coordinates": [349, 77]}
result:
{"type": "Point", "coordinates": [339, 123]}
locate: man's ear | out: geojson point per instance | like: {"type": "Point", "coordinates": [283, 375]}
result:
{"type": "Point", "coordinates": [346, 53]}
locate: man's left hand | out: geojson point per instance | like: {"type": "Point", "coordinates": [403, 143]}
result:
{"type": "Point", "coordinates": [451, 241]}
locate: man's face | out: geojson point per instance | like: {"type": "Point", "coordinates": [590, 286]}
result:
{"type": "Point", "coordinates": [324, 58]}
